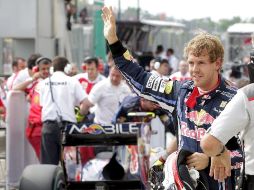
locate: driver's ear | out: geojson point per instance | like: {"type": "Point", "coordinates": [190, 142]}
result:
{"type": "Point", "coordinates": [218, 63]}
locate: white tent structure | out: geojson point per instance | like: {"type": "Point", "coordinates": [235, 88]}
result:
{"type": "Point", "coordinates": [241, 28]}
{"type": "Point", "coordinates": [239, 41]}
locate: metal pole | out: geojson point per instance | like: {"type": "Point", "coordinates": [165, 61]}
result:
{"type": "Point", "coordinates": [138, 10]}
{"type": "Point", "coordinates": [37, 27]}
{"type": "Point", "coordinates": [99, 40]}
{"type": "Point", "coordinates": [119, 10]}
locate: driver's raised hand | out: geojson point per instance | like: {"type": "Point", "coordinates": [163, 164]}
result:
{"type": "Point", "coordinates": [109, 20]}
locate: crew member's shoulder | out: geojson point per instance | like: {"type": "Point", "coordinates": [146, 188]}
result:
{"type": "Point", "coordinates": [43, 81]}
{"type": "Point", "coordinates": [23, 72]}
{"type": "Point", "coordinates": [226, 91]}
{"type": "Point", "coordinates": [101, 77]}
{"type": "Point", "coordinates": [103, 84]}
{"type": "Point", "coordinates": [79, 75]}
{"type": "Point", "coordinates": [229, 86]}
{"type": "Point", "coordinates": [248, 90]}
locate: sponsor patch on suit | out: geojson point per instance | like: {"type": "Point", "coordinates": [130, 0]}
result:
{"type": "Point", "coordinates": [150, 81]}
{"type": "Point", "coordinates": [156, 84]}
{"type": "Point", "coordinates": [128, 56]}
{"type": "Point", "coordinates": [169, 87]}
{"type": "Point", "coordinates": [162, 86]}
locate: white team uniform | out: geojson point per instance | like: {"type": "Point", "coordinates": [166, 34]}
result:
{"type": "Point", "coordinates": [179, 77]}
{"type": "Point", "coordinates": [238, 116]}
{"type": "Point", "coordinates": [86, 83]}
{"type": "Point", "coordinates": [22, 76]}
{"type": "Point", "coordinates": [67, 93]}
{"type": "Point", "coordinates": [107, 97]}
{"type": "Point", "coordinates": [174, 63]}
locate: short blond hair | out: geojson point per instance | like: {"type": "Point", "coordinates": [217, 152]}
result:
{"type": "Point", "coordinates": [209, 43]}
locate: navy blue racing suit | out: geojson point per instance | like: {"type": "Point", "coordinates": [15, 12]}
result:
{"type": "Point", "coordinates": [195, 113]}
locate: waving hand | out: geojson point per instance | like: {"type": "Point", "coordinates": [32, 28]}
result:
{"type": "Point", "coordinates": [109, 24]}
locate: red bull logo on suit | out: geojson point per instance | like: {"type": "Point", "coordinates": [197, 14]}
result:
{"type": "Point", "coordinates": [200, 118]}
{"type": "Point", "coordinates": [197, 133]}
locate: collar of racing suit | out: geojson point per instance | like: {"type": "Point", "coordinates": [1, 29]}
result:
{"type": "Point", "coordinates": [192, 100]}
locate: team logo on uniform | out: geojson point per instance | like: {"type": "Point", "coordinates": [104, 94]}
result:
{"type": "Point", "coordinates": [36, 99]}
{"type": "Point", "coordinates": [168, 87]}
{"type": "Point", "coordinates": [223, 104]}
{"type": "Point", "coordinates": [162, 86]}
{"type": "Point", "coordinates": [196, 133]}
{"type": "Point", "coordinates": [227, 94]}
{"type": "Point", "coordinates": [156, 84]}
{"type": "Point", "coordinates": [127, 55]}
{"type": "Point", "coordinates": [200, 118]}
{"type": "Point", "coordinates": [150, 81]}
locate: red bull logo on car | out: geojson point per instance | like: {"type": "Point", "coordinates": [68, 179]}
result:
{"type": "Point", "coordinates": [200, 118]}
{"type": "Point", "coordinates": [94, 129]}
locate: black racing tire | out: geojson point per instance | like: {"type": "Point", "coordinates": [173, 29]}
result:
{"type": "Point", "coordinates": [42, 177]}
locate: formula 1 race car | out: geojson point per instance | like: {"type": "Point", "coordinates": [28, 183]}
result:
{"type": "Point", "coordinates": [52, 177]}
